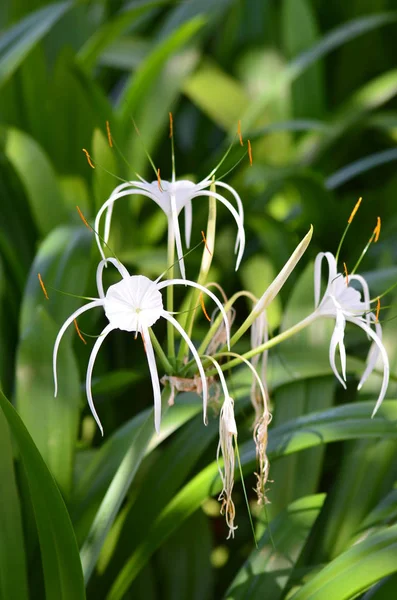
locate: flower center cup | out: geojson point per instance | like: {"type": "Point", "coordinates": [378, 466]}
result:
{"type": "Point", "coordinates": [133, 303]}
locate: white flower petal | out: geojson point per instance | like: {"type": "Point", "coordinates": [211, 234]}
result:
{"type": "Point", "coordinates": [154, 377]}
{"type": "Point", "coordinates": [196, 357]}
{"type": "Point", "coordinates": [66, 324]}
{"type": "Point", "coordinates": [237, 218]}
{"type": "Point", "coordinates": [121, 269]}
{"type": "Point", "coordinates": [110, 202]}
{"type": "Point", "coordinates": [337, 340]}
{"type": "Point", "coordinates": [332, 273]}
{"type": "Point", "coordinates": [188, 222]}
{"type": "Point", "coordinates": [90, 368]}
{"type": "Point", "coordinates": [174, 223]}
{"type": "Point", "coordinates": [373, 353]}
{"type": "Point", "coordinates": [365, 289]}
{"type": "Point", "coordinates": [168, 282]}
{"type": "Point", "coordinates": [386, 368]}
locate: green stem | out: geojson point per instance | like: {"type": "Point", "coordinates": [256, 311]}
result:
{"type": "Point", "coordinates": [170, 289]}
{"type": "Point", "coordinates": [160, 353]}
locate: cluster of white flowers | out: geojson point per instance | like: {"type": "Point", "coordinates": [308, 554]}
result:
{"type": "Point", "coordinates": [135, 304]}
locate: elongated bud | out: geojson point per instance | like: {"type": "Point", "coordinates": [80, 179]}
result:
{"type": "Point", "coordinates": [355, 209]}
{"type": "Point", "coordinates": [377, 230]}
{"type": "Point", "coordinates": [88, 157]}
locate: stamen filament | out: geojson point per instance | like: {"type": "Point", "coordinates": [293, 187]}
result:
{"type": "Point", "coordinates": [374, 238]}
{"type": "Point", "coordinates": [205, 242]}
{"type": "Point", "coordinates": [346, 274]}
{"type": "Point", "coordinates": [350, 219]}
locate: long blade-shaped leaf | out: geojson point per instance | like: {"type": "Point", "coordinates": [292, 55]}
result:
{"type": "Point", "coordinates": [59, 554]}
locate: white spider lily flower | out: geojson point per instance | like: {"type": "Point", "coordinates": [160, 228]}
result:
{"type": "Point", "coordinates": [173, 197]}
{"type": "Point", "coordinates": [344, 303]}
{"type": "Point", "coordinates": [134, 304]}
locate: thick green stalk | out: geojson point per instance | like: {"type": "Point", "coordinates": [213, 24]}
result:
{"type": "Point", "coordinates": [160, 353]}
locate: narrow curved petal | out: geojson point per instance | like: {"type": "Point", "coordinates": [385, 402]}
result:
{"type": "Point", "coordinates": [237, 218]}
{"type": "Point", "coordinates": [337, 340]}
{"type": "Point", "coordinates": [90, 368]}
{"type": "Point", "coordinates": [99, 271]}
{"type": "Point", "coordinates": [196, 357]}
{"type": "Point", "coordinates": [188, 222]}
{"type": "Point", "coordinates": [239, 205]}
{"type": "Point", "coordinates": [332, 273]}
{"type": "Point", "coordinates": [220, 374]}
{"type": "Point", "coordinates": [168, 282]}
{"type": "Point", "coordinates": [386, 368]}
{"type": "Point", "coordinates": [110, 202]}
{"type": "Point", "coordinates": [177, 234]}
{"type": "Point", "coordinates": [64, 327]}
{"type": "Point", "coordinates": [154, 377]}
{"type": "Point", "coordinates": [108, 218]}
{"type": "Point", "coordinates": [373, 353]}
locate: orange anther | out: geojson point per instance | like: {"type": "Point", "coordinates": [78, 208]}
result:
{"type": "Point", "coordinates": [240, 137]}
{"type": "Point", "coordinates": [205, 242]}
{"type": "Point", "coordinates": [355, 209]}
{"type": "Point", "coordinates": [78, 331]}
{"type": "Point", "coordinates": [377, 311]}
{"type": "Point", "coordinates": [203, 307]}
{"type": "Point", "coordinates": [377, 230]}
{"type": "Point", "coordinates": [346, 273]}
{"type": "Point", "coordinates": [249, 152]}
{"type": "Point", "coordinates": [171, 125]}
{"type": "Point", "coordinates": [82, 217]}
{"type": "Point", "coordinates": [88, 157]}
{"type": "Point", "coordinates": [43, 286]}
{"type": "Point", "coordinates": [109, 134]}
{"type": "Point", "coordinates": [159, 180]}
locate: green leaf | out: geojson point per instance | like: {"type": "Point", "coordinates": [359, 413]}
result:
{"type": "Point", "coordinates": [329, 42]}
{"type": "Point", "coordinates": [136, 88]}
{"type": "Point", "coordinates": [13, 575]}
{"type": "Point", "coordinates": [62, 263]}
{"type": "Point", "coordinates": [111, 31]}
{"type": "Point", "coordinates": [266, 573]}
{"type": "Point", "coordinates": [355, 570]}
{"type": "Point", "coordinates": [18, 40]}
{"type": "Point", "coordinates": [296, 40]}
{"type": "Point", "coordinates": [360, 166]}
{"type": "Point", "coordinates": [39, 179]}
{"type": "Point", "coordinates": [344, 422]}
{"type": "Point", "coordinates": [59, 554]}
{"type": "Point", "coordinates": [217, 94]}
{"type": "Point", "coordinates": [52, 422]}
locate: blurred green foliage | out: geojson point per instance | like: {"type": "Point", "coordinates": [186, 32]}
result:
{"type": "Point", "coordinates": [314, 84]}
